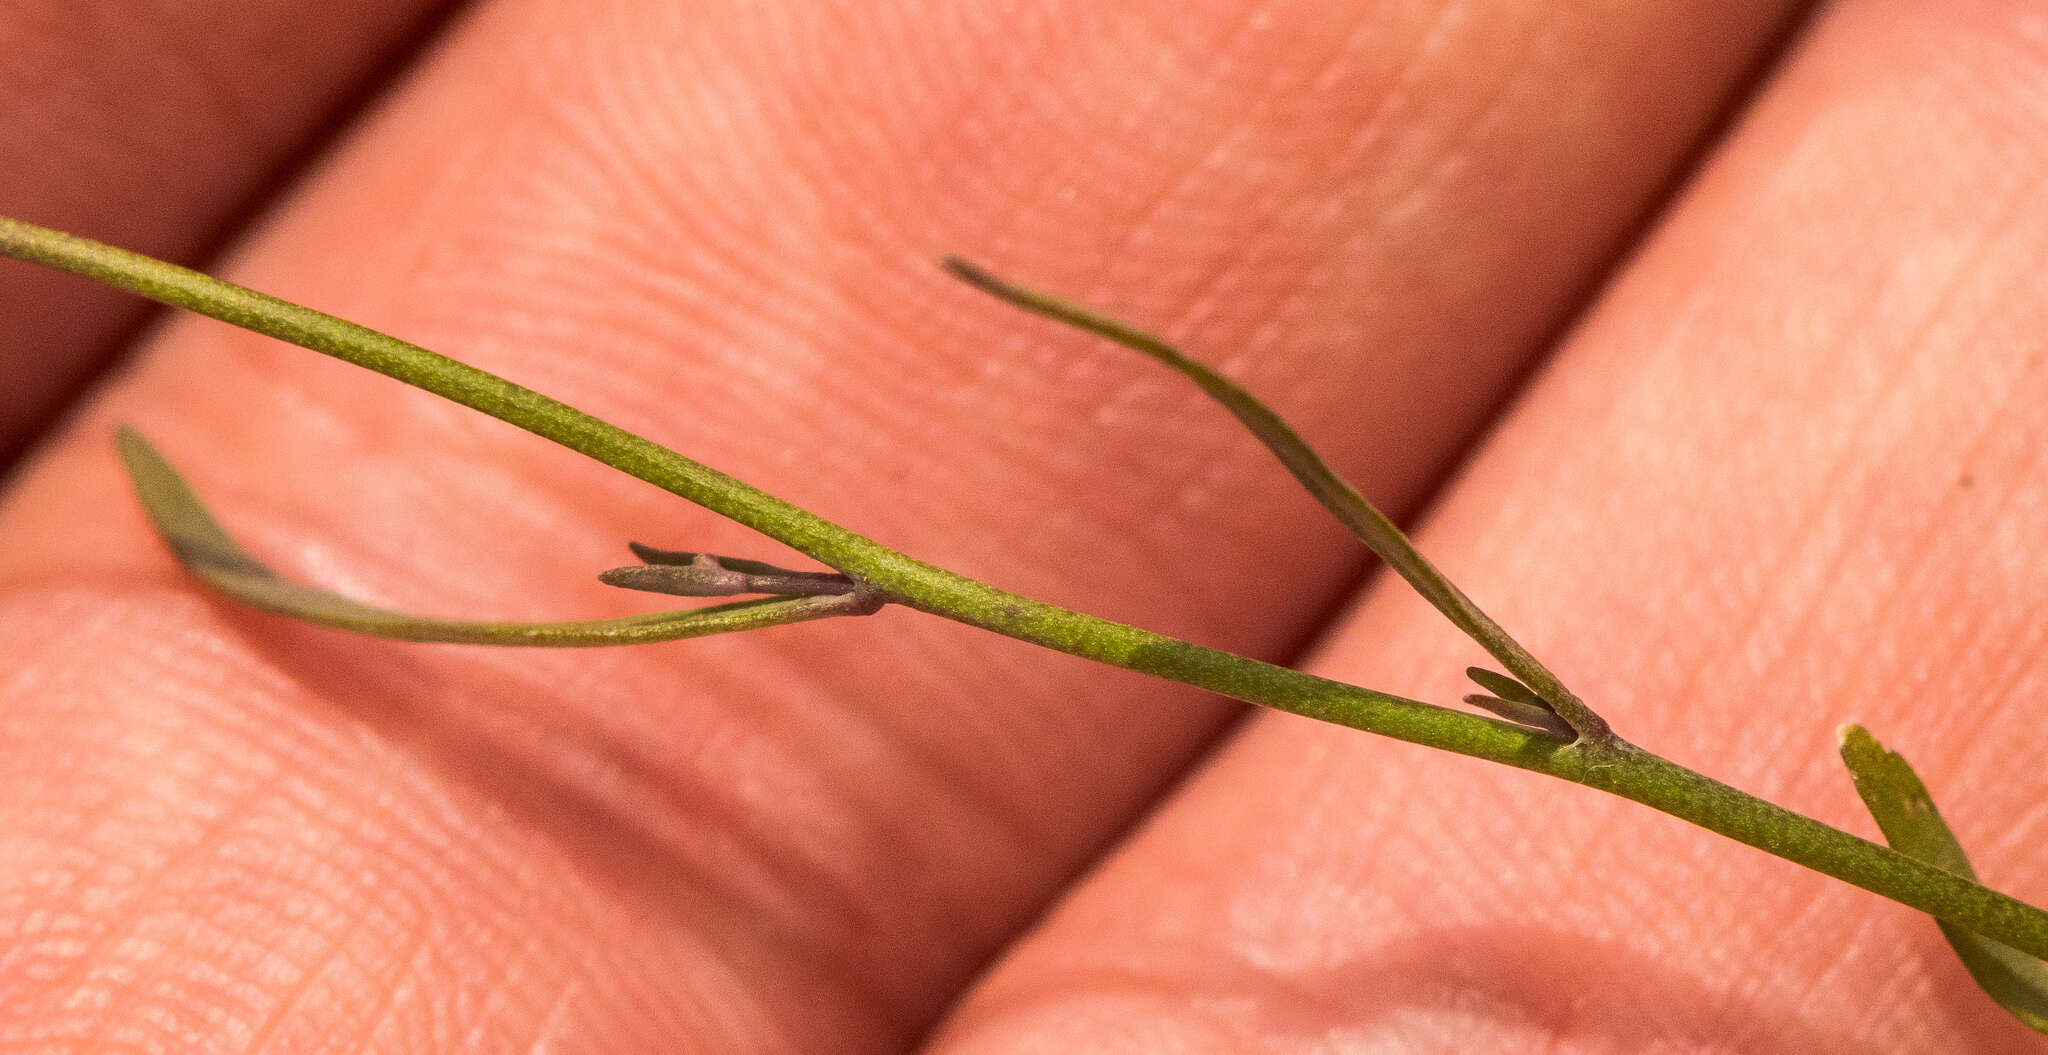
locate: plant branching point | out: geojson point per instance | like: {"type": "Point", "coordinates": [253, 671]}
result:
{"type": "Point", "coordinates": [1540, 689]}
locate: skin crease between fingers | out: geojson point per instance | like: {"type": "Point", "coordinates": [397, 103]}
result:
{"type": "Point", "coordinates": [226, 832]}
{"type": "Point", "coordinates": [147, 124]}
{"type": "Point", "coordinates": [1787, 475]}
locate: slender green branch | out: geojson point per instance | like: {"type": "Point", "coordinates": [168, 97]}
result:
{"type": "Point", "coordinates": [1365, 521]}
{"type": "Point", "coordinates": [208, 552]}
{"type": "Point", "coordinates": [1608, 764]}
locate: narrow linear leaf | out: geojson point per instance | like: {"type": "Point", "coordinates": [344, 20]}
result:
{"type": "Point", "coordinates": [652, 555]}
{"type": "Point", "coordinates": [1371, 526]}
{"type": "Point", "coordinates": [1905, 813]}
{"type": "Point", "coordinates": [1504, 687]}
{"type": "Point", "coordinates": [208, 552]}
{"type": "Point", "coordinates": [754, 576]}
{"type": "Point", "coordinates": [1534, 716]}
{"type": "Point", "coordinates": [708, 578]}
{"type": "Point", "coordinates": [680, 580]}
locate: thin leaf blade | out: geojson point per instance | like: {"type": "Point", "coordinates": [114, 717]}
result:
{"type": "Point", "coordinates": [690, 574]}
{"type": "Point", "coordinates": [1533, 716]}
{"type": "Point", "coordinates": [1504, 687]}
{"type": "Point", "coordinates": [206, 550]}
{"type": "Point", "coordinates": [1905, 813]}
{"type": "Point", "coordinates": [1365, 521]}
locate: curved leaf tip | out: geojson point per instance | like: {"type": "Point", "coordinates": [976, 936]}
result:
{"type": "Point", "coordinates": [210, 554]}
{"type": "Point", "coordinates": [1906, 814]}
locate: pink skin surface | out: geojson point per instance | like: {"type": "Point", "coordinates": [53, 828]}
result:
{"type": "Point", "coordinates": [1729, 506]}
{"type": "Point", "coordinates": [155, 124]}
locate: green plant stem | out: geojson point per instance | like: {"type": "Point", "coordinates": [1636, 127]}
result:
{"type": "Point", "coordinates": [1610, 765]}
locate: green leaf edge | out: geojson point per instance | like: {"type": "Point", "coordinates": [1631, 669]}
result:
{"type": "Point", "coordinates": [1906, 814]}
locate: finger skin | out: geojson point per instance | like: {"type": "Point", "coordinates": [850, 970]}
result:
{"type": "Point", "coordinates": [718, 227]}
{"type": "Point", "coordinates": [149, 125]}
{"type": "Point", "coordinates": [1787, 475]}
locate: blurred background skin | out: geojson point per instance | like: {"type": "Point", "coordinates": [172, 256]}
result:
{"type": "Point", "coordinates": [161, 127]}
{"type": "Point", "coordinates": [1711, 334]}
